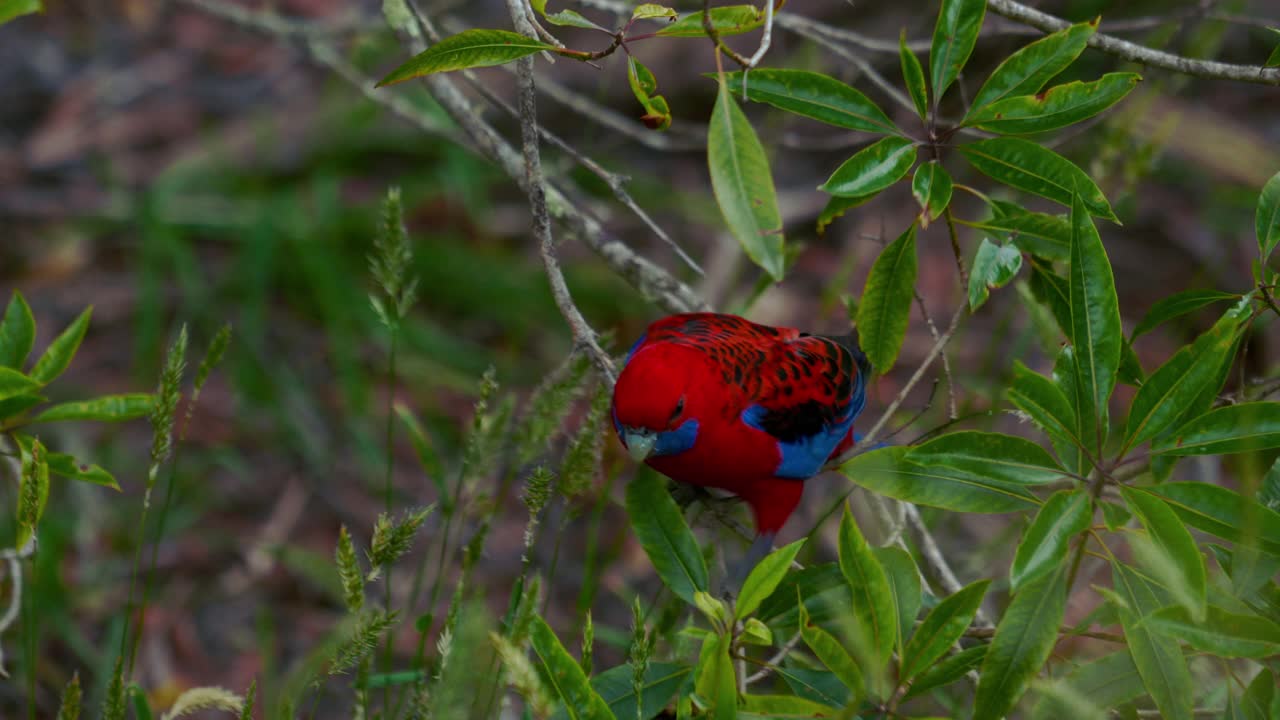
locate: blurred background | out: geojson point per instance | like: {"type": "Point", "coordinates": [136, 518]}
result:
{"type": "Point", "coordinates": [170, 165]}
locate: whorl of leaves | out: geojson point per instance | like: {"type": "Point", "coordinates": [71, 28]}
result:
{"type": "Point", "coordinates": [162, 413]}
{"type": "Point", "coordinates": [389, 263]}
{"type": "Point", "coordinates": [204, 698]}
{"type": "Point", "coordinates": [362, 641]}
{"type": "Point", "coordinates": [113, 707]}
{"type": "Point", "coordinates": [349, 572]}
{"type": "Point", "coordinates": [521, 675]}
{"type": "Point", "coordinates": [391, 540]}
{"type": "Point", "coordinates": [549, 405]}
{"type": "Point", "coordinates": [69, 708]}
{"type": "Point", "coordinates": [582, 459]}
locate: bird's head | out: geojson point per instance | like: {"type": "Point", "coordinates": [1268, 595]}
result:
{"type": "Point", "coordinates": [656, 399]}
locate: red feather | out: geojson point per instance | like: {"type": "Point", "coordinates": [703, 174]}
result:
{"type": "Point", "coordinates": [712, 369]}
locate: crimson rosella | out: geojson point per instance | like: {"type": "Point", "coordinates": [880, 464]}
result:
{"type": "Point", "coordinates": [719, 401]}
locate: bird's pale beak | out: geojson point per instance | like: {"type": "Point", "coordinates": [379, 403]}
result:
{"type": "Point", "coordinates": [640, 445]}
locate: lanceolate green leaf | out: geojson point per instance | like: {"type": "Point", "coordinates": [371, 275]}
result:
{"type": "Point", "coordinates": [953, 39]}
{"type": "Point", "coordinates": [67, 466]}
{"type": "Point", "coordinates": [1228, 429]}
{"type": "Point", "coordinates": [565, 676]}
{"type": "Point", "coordinates": [1033, 168]}
{"type": "Point", "coordinates": [913, 77]}
{"type": "Point", "coordinates": [1057, 107]}
{"type": "Point", "coordinates": [932, 187]}
{"type": "Point", "coordinates": [1267, 217]}
{"type": "Point", "coordinates": [886, 302]}
{"type": "Point", "coordinates": [1172, 537]}
{"type": "Point", "coordinates": [942, 627]}
{"type": "Point", "coordinates": [780, 707]}
{"type": "Point", "coordinates": [813, 95]}
{"type": "Point", "coordinates": [1159, 658]}
{"type": "Point", "coordinates": [948, 670]}
{"type": "Point", "coordinates": [872, 168]}
{"type": "Point", "coordinates": [1042, 400]}
{"type": "Point", "coordinates": [1029, 69]}
{"type": "Point", "coordinates": [17, 332]}
{"type": "Point", "coordinates": [10, 9]}
{"type": "Point", "coordinates": [1043, 235]}
{"type": "Point", "coordinates": [904, 582]}
{"type": "Point", "coordinates": [1096, 333]}
{"type": "Point", "coordinates": [1063, 516]}
{"type": "Point", "coordinates": [764, 578]}
{"type": "Point", "coordinates": [715, 681]}
{"type": "Point", "coordinates": [1176, 306]}
{"type": "Point", "coordinates": [993, 267]}
{"type": "Point", "coordinates": [876, 617]}
{"type": "Point", "coordinates": [1223, 512]}
{"type": "Point", "coordinates": [727, 20]}
{"type": "Point", "coordinates": [58, 355]}
{"type": "Point", "coordinates": [743, 184]}
{"type": "Point", "coordinates": [109, 408]}
{"type": "Point", "coordinates": [831, 653]}
{"type": "Point", "coordinates": [989, 455]}
{"type": "Point", "coordinates": [1107, 682]}
{"type": "Point", "coordinates": [1192, 371]}
{"type": "Point", "coordinates": [1024, 638]}
{"type": "Point", "coordinates": [616, 687]}
{"type": "Point", "coordinates": [886, 471]}
{"type": "Point", "coordinates": [15, 384]}
{"type": "Point", "coordinates": [665, 537]}
{"type": "Point", "coordinates": [467, 49]}
{"type": "Point", "coordinates": [1221, 633]}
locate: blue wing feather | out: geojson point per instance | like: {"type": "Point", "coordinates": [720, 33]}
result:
{"type": "Point", "coordinates": [804, 455]}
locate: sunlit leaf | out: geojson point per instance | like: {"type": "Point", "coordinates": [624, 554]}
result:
{"type": "Point", "coordinates": [653, 11]}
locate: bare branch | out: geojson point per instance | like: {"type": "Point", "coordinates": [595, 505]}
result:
{"type": "Point", "coordinates": [1140, 53]}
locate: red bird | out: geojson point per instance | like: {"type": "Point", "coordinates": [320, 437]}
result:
{"type": "Point", "coordinates": [723, 402]}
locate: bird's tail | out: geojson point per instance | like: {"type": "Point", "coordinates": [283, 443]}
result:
{"type": "Point", "coordinates": [849, 341]}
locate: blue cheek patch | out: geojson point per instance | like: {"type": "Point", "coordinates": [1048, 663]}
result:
{"type": "Point", "coordinates": [674, 442]}
{"type": "Point", "coordinates": [804, 457]}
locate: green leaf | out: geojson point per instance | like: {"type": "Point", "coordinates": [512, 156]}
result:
{"type": "Point", "coordinates": [10, 9]}
{"type": "Point", "coordinates": [112, 408]}
{"type": "Point", "coordinates": [1177, 305]}
{"type": "Point", "coordinates": [1028, 70]}
{"type": "Point", "coordinates": [872, 168]}
{"type": "Point", "coordinates": [942, 627]}
{"type": "Point", "coordinates": [1107, 682]}
{"type": "Point", "coordinates": [913, 76]}
{"type": "Point", "coordinates": [819, 686]}
{"type": "Point", "coordinates": [66, 465]}
{"type": "Point", "coordinates": [764, 578]}
{"type": "Point", "coordinates": [1220, 633]}
{"type": "Point", "coordinates": [813, 95]}
{"type": "Point", "coordinates": [1223, 512]}
{"type": "Point", "coordinates": [727, 20]}
{"type": "Point", "coordinates": [1273, 60]}
{"type": "Point", "coordinates": [643, 85]}
{"type": "Point", "coordinates": [653, 11]}
{"type": "Point", "coordinates": [1064, 515]}
{"type": "Point", "coordinates": [1054, 292]}
{"type": "Point", "coordinates": [1024, 638]}
{"type": "Point", "coordinates": [428, 457]}
{"type": "Point", "coordinates": [888, 472]}
{"type": "Point", "coordinates": [875, 617]}
{"type": "Point", "coordinates": [665, 537]}
{"type": "Point", "coordinates": [831, 654]}
{"type": "Point", "coordinates": [989, 455]}
{"type": "Point", "coordinates": [953, 39]}
{"type": "Point", "coordinates": [1043, 235]}
{"type": "Point", "coordinates": [993, 267]}
{"type": "Point", "coordinates": [1096, 334]}
{"type": "Point", "coordinates": [17, 333]}
{"type": "Point", "coordinates": [1172, 389]}
{"type": "Point", "coordinates": [1260, 700]}
{"type": "Point", "coordinates": [616, 687]}
{"type": "Point", "coordinates": [1229, 429]}
{"type": "Point", "coordinates": [58, 355]}
{"type": "Point", "coordinates": [1043, 401]}
{"type": "Point", "coordinates": [1159, 659]}
{"type": "Point", "coordinates": [1268, 492]}
{"type": "Point", "coordinates": [886, 302]}
{"type": "Point", "coordinates": [823, 589]}
{"type": "Point", "coordinates": [468, 49]}
{"type": "Point", "coordinates": [15, 384]}
{"type": "Point", "coordinates": [570, 18]}
{"type": "Point", "coordinates": [1267, 219]}
{"type": "Point", "coordinates": [1115, 516]}
{"type": "Point", "coordinates": [1067, 377]}
{"type": "Point", "coordinates": [932, 187]}
{"type": "Point", "coordinates": [716, 683]}
{"type": "Point", "coordinates": [836, 207]}
{"type": "Point", "coordinates": [904, 583]}
{"type": "Point", "coordinates": [1033, 168]}
{"type": "Point", "coordinates": [141, 710]}
{"type": "Point", "coordinates": [1055, 108]}
{"type": "Point", "coordinates": [784, 706]}
{"type": "Point", "coordinates": [1172, 537]}
{"type": "Point", "coordinates": [565, 676]}
{"type": "Point", "coordinates": [743, 184]}
{"type": "Point", "coordinates": [948, 671]}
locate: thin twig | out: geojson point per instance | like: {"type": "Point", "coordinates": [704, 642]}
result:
{"type": "Point", "coordinates": [14, 558]}
{"type": "Point", "coordinates": [773, 662]}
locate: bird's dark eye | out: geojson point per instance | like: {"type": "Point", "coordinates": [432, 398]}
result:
{"type": "Point", "coordinates": [679, 409]}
